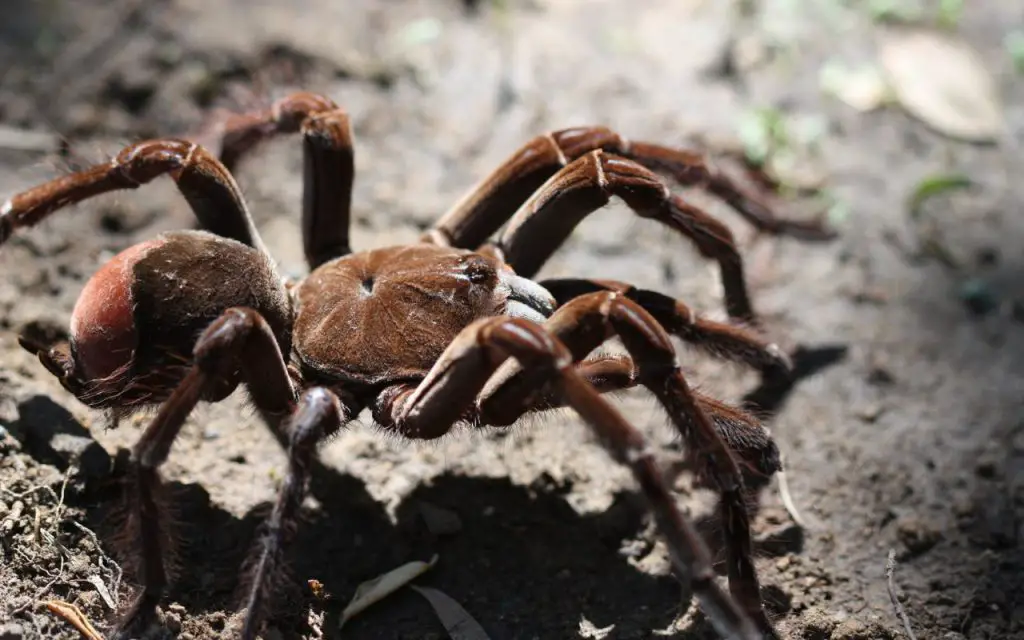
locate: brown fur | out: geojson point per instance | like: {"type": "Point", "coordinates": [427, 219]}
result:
{"type": "Point", "coordinates": [186, 283]}
{"type": "Point", "coordinates": [387, 315]}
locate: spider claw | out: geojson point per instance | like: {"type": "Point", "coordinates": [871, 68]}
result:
{"type": "Point", "coordinates": [782, 363]}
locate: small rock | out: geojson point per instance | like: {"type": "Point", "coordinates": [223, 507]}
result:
{"type": "Point", "coordinates": [869, 412]}
{"type": "Point", "coordinates": [83, 117]}
{"type": "Point", "coordinates": [986, 467]}
{"type": "Point", "coordinates": [12, 631]}
{"type": "Point", "coordinates": [987, 257]}
{"type": "Point", "coordinates": [978, 297]}
{"type": "Point", "coordinates": [818, 624]}
{"type": "Point", "coordinates": [132, 88]}
{"type": "Point", "coordinates": [860, 630]}
{"type": "Point", "coordinates": [917, 534]}
{"type": "Point", "coordinates": [880, 376]}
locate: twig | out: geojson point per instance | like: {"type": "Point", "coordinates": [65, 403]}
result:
{"type": "Point", "coordinates": [890, 568]}
{"type": "Point", "coordinates": [105, 562]}
{"type": "Point", "coordinates": [73, 616]}
{"type": "Point", "coordinates": [21, 494]}
{"type": "Point", "coordinates": [42, 591]}
{"type": "Point", "coordinates": [60, 501]}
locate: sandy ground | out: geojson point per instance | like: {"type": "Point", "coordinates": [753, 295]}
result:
{"type": "Point", "coordinates": [909, 439]}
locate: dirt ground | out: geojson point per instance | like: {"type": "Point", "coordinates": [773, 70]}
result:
{"type": "Point", "coordinates": [906, 432]}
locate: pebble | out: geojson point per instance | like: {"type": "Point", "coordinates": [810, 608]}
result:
{"type": "Point", "coordinates": [917, 534]}
{"type": "Point", "coordinates": [12, 631]}
{"type": "Point", "coordinates": [859, 630]}
{"type": "Point", "coordinates": [869, 412]}
{"type": "Point", "coordinates": [978, 298]}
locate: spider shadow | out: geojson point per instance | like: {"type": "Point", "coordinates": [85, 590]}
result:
{"type": "Point", "coordinates": [524, 563]}
{"type": "Point", "coordinates": [766, 401]}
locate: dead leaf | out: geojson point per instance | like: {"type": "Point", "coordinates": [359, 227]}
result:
{"type": "Point", "coordinates": [375, 590]}
{"type": "Point", "coordinates": [73, 616]}
{"type": "Point", "coordinates": [588, 629]}
{"type": "Point", "coordinates": [942, 80]}
{"type": "Point", "coordinates": [863, 88]}
{"type": "Point", "coordinates": [456, 620]}
{"type": "Point", "coordinates": [101, 588]}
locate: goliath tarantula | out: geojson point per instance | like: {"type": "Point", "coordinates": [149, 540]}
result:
{"type": "Point", "coordinates": [447, 330]}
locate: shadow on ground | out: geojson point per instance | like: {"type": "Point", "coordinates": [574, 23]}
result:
{"type": "Point", "coordinates": [523, 561]}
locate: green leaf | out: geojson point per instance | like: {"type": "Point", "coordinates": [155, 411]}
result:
{"type": "Point", "coordinates": [950, 12]}
{"type": "Point", "coordinates": [1014, 43]}
{"type": "Point", "coordinates": [933, 186]}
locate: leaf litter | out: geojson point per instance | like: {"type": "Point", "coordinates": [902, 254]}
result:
{"type": "Point", "coordinates": [459, 624]}
{"type": "Point", "coordinates": [941, 80]}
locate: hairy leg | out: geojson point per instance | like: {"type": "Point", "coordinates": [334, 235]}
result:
{"type": "Point", "coordinates": [240, 340]}
{"type": "Point", "coordinates": [206, 184]}
{"type": "Point", "coordinates": [448, 395]}
{"type": "Point", "coordinates": [727, 341]}
{"type": "Point", "coordinates": [717, 434]}
{"type": "Point", "coordinates": [319, 414]}
{"type": "Point", "coordinates": [582, 187]}
{"type": "Point", "coordinates": [493, 201]}
{"type": "Point", "coordinates": [329, 164]}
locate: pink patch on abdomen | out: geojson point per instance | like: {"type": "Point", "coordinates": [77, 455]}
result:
{"type": "Point", "coordinates": [103, 333]}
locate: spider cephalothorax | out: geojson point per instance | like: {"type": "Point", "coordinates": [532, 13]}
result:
{"type": "Point", "coordinates": [425, 335]}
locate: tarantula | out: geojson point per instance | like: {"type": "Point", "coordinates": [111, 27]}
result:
{"type": "Point", "coordinates": [447, 330]}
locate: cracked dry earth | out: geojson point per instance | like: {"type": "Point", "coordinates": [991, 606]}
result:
{"type": "Point", "coordinates": [911, 440]}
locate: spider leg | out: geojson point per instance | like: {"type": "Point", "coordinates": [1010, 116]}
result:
{"type": "Point", "coordinates": [544, 222]}
{"type": "Point", "coordinates": [482, 211]}
{"type": "Point", "coordinates": [206, 184]}
{"type": "Point", "coordinates": [512, 393]}
{"type": "Point", "coordinates": [329, 164]}
{"type": "Point", "coordinates": [693, 168]}
{"type": "Point", "coordinates": [239, 340]}
{"type": "Point", "coordinates": [713, 430]}
{"type": "Point", "coordinates": [716, 338]}
{"type": "Point", "coordinates": [319, 414]}
{"type": "Point", "coordinates": [448, 394]}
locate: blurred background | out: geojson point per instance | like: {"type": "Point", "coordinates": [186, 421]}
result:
{"type": "Point", "coordinates": [900, 121]}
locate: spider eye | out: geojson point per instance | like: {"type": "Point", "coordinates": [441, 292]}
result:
{"type": "Point", "coordinates": [479, 271]}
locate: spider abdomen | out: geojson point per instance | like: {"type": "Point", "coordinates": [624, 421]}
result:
{"type": "Point", "coordinates": [103, 333]}
{"type": "Point", "coordinates": [143, 310]}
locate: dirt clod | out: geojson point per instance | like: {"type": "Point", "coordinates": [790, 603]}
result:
{"type": "Point", "coordinates": [12, 631]}
{"type": "Point", "coordinates": [918, 534]}
{"type": "Point", "coordinates": [860, 630]}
